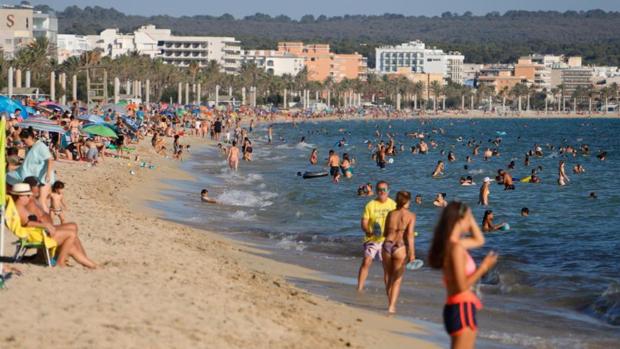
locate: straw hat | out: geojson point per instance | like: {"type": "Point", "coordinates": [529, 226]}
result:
{"type": "Point", "coordinates": [487, 179]}
{"type": "Point", "coordinates": [20, 189]}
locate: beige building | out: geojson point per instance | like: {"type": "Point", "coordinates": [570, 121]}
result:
{"type": "Point", "coordinates": [16, 28]}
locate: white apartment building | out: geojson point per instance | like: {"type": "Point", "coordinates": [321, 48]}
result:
{"type": "Point", "coordinates": [172, 49]}
{"type": "Point", "coordinates": [70, 45]}
{"type": "Point", "coordinates": [274, 62]}
{"type": "Point", "coordinates": [416, 56]}
{"type": "Point", "coordinates": [45, 25]}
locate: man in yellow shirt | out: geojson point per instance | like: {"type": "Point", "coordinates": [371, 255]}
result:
{"type": "Point", "coordinates": [373, 224]}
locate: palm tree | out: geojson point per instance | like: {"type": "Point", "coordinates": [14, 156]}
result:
{"type": "Point", "coordinates": [436, 90]}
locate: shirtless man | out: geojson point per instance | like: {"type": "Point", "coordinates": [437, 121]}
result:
{"type": "Point", "coordinates": [507, 177]}
{"type": "Point", "coordinates": [398, 246]}
{"type": "Point", "coordinates": [333, 162]}
{"type": "Point", "coordinates": [233, 156]}
{"type": "Point", "coordinates": [438, 169]}
{"type": "Point", "coordinates": [423, 147]}
{"type": "Point", "coordinates": [204, 197]}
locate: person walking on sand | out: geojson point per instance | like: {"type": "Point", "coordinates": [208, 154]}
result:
{"type": "Point", "coordinates": [233, 156]}
{"type": "Point", "coordinates": [398, 247]}
{"type": "Point", "coordinates": [373, 224]}
{"type": "Point", "coordinates": [455, 234]}
{"type": "Point", "coordinates": [485, 190]}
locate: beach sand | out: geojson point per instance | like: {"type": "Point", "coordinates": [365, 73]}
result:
{"type": "Point", "coordinates": [165, 285]}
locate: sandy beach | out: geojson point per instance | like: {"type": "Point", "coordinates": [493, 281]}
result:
{"type": "Point", "coordinates": [165, 285]}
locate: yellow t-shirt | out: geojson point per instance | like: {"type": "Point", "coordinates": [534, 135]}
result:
{"type": "Point", "coordinates": [376, 212]}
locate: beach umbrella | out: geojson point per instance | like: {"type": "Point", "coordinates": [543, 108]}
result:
{"type": "Point", "coordinates": [41, 124]}
{"type": "Point", "coordinates": [100, 130]}
{"type": "Point", "coordinates": [9, 105]}
{"type": "Point", "coordinates": [92, 118]}
{"type": "Point", "coordinates": [54, 106]}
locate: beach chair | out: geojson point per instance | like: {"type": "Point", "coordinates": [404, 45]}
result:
{"type": "Point", "coordinates": [28, 237]}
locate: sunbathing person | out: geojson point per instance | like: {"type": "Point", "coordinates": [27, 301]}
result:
{"type": "Point", "coordinates": [68, 242]}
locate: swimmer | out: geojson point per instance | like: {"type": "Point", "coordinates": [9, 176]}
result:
{"type": "Point", "coordinates": [440, 200]}
{"type": "Point", "coordinates": [602, 155]}
{"type": "Point", "coordinates": [487, 154]}
{"type": "Point", "coordinates": [418, 199]}
{"type": "Point", "coordinates": [314, 157]}
{"type": "Point", "coordinates": [467, 181]}
{"type": "Point", "coordinates": [451, 156]}
{"type": "Point", "coordinates": [593, 195]}
{"type": "Point", "coordinates": [487, 222]}
{"type": "Point", "coordinates": [485, 190]}
{"type": "Point", "coordinates": [204, 197]}
{"type": "Point", "coordinates": [438, 169]}
{"type": "Point", "coordinates": [577, 169]}
{"type": "Point", "coordinates": [562, 177]}
{"type": "Point", "coordinates": [398, 247]}
{"type": "Point", "coordinates": [345, 167]}
{"type": "Point", "coordinates": [525, 212]}
{"type": "Point", "coordinates": [333, 162]}
{"type": "Point", "coordinates": [507, 180]}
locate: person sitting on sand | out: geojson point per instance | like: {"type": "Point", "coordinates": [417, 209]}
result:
{"type": "Point", "coordinates": [487, 222]}
{"type": "Point", "coordinates": [398, 247]}
{"type": "Point", "coordinates": [204, 197]}
{"type": "Point", "coordinates": [438, 172]}
{"type": "Point", "coordinates": [69, 244]}
{"type": "Point", "coordinates": [440, 200]}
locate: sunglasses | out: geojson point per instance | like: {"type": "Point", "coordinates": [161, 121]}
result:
{"type": "Point", "coordinates": [383, 190]}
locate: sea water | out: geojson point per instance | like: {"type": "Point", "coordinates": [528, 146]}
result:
{"type": "Point", "coordinates": [557, 282]}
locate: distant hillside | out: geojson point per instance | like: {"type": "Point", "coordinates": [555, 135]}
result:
{"type": "Point", "coordinates": [493, 37]}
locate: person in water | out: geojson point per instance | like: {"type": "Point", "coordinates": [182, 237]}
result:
{"type": "Point", "coordinates": [345, 166]}
{"type": "Point", "coordinates": [455, 234]}
{"type": "Point", "coordinates": [485, 191]}
{"type": "Point", "coordinates": [438, 169]}
{"type": "Point", "coordinates": [418, 199]}
{"type": "Point", "coordinates": [233, 157]}
{"type": "Point", "coordinates": [562, 177]}
{"type": "Point", "coordinates": [525, 212]}
{"type": "Point", "coordinates": [204, 197]}
{"type": "Point", "coordinates": [440, 200]}
{"type": "Point", "coordinates": [365, 190]}
{"type": "Point", "coordinates": [398, 247]}
{"type": "Point", "coordinates": [578, 169]}
{"type": "Point", "coordinates": [314, 157]}
{"type": "Point", "coordinates": [333, 162]}
{"type": "Point", "coordinates": [487, 222]}
{"type": "Point", "coordinates": [373, 226]}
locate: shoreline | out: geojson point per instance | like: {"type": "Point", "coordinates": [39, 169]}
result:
{"type": "Point", "coordinates": [163, 284]}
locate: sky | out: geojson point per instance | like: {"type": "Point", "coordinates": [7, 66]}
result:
{"type": "Point", "coordinates": [296, 8]}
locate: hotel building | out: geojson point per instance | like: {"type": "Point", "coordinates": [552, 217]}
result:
{"type": "Point", "coordinates": [418, 58]}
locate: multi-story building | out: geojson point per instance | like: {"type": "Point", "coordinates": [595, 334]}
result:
{"type": "Point", "coordinates": [45, 25]}
{"type": "Point", "coordinates": [418, 58]}
{"type": "Point", "coordinates": [178, 50]}
{"type": "Point", "coordinates": [499, 77]}
{"type": "Point", "coordinates": [321, 63]}
{"type": "Point", "coordinates": [535, 73]}
{"type": "Point", "coordinates": [16, 28]}
{"type": "Point", "coordinates": [70, 45]}
{"type": "Point", "coordinates": [274, 62]}
{"type": "Point", "coordinates": [575, 77]}
{"type": "Point", "coordinates": [470, 72]}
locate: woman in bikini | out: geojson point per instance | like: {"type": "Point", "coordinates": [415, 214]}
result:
{"type": "Point", "coordinates": [455, 234]}
{"type": "Point", "coordinates": [398, 246]}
